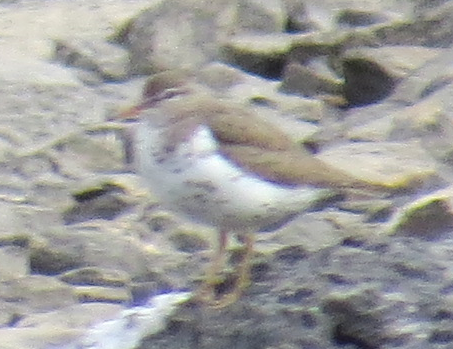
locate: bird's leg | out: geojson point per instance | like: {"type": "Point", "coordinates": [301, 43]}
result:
{"type": "Point", "coordinates": [244, 271]}
{"type": "Point", "coordinates": [206, 291]}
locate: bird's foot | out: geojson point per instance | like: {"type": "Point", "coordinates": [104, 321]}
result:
{"type": "Point", "coordinates": [208, 295]}
{"type": "Point", "coordinates": [219, 291]}
{"type": "Point", "coordinates": [222, 291]}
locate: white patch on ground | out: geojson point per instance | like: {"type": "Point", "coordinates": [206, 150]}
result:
{"type": "Point", "coordinates": [132, 325]}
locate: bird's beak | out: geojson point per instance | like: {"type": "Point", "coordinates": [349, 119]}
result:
{"type": "Point", "coordinates": [128, 114]}
{"type": "Point", "coordinates": [126, 132]}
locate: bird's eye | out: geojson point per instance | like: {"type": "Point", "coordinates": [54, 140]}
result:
{"type": "Point", "coordinates": [153, 100]}
{"type": "Point", "coordinates": [172, 92]}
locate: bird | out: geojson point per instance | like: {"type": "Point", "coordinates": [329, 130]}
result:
{"type": "Point", "coordinates": [219, 163]}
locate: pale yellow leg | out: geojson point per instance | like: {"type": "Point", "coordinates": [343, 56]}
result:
{"type": "Point", "coordinates": [243, 281]}
{"type": "Point", "coordinates": [206, 292]}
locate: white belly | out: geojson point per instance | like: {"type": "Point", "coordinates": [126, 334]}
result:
{"type": "Point", "coordinates": [196, 180]}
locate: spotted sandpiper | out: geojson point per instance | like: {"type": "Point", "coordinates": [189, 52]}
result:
{"type": "Point", "coordinates": [220, 164]}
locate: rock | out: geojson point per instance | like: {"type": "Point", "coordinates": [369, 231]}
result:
{"type": "Point", "coordinates": [310, 110]}
{"type": "Point", "coordinates": [63, 327]}
{"type": "Point", "coordinates": [427, 121]}
{"type": "Point", "coordinates": [96, 277]}
{"type": "Point", "coordinates": [221, 77]}
{"type": "Point", "coordinates": [38, 337]}
{"type": "Point", "coordinates": [174, 34]}
{"type": "Point", "coordinates": [375, 210]}
{"type": "Point", "coordinates": [381, 163]}
{"type": "Point", "coordinates": [360, 18]}
{"type": "Point", "coordinates": [264, 55]}
{"type": "Point", "coordinates": [37, 293]}
{"type": "Point", "coordinates": [32, 36]}
{"type": "Point", "coordinates": [10, 314]}
{"type": "Point", "coordinates": [50, 260]}
{"type": "Point", "coordinates": [85, 246]}
{"type": "Point", "coordinates": [399, 62]}
{"type": "Point", "coordinates": [141, 291]}
{"type": "Point", "coordinates": [423, 120]}
{"type": "Point", "coordinates": [297, 17]}
{"type": "Point", "coordinates": [104, 61]}
{"type": "Point", "coordinates": [73, 316]}
{"type": "Point", "coordinates": [429, 217]}
{"type": "Point", "coordinates": [79, 153]}
{"type": "Point", "coordinates": [14, 262]}
{"type": "Point", "coordinates": [305, 47]}
{"type": "Point", "coordinates": [21, 69]}
{"type": "Point", "coordinates": [188, 241]}
{"type": "Point", "coordinates": [311, 230]}
{"type": "Point", "coordinates": [432, 28]}
{"type": "Point", "coordinates": [428, 79]}
{"type": "Point", "coordinates": [346, 308]}
{"type": "Point", "coordinates": [311, 81]}
{"type": "Point", "coordinates": [106, 201]}
{"type": "Point", "coordinates": [332, 15]}
{"type": "Point", "coordinates": [259, 16]}
{"type": "Point", "coordinates": [371, 74]}
{"type": "Point", "coordinates": [161, 222]}
{"type": "Point", "coordinates": [300, 131]}
{"type": "Point", "coordinates": [11, 231]}
{"type": "Point", "coordinates": [117, 295]}
{"type": "Point", "coordinates": [374, 131]}
{"type": "Point", "coordinates": [339, 301]}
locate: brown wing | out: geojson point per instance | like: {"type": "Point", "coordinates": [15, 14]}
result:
{"type": "Point", "coordinates": [230, 123]}
{"type": "Point", "coordinates": [293, 168]}
{"type": "Point", "coordinates": [234, 125]}
{"type": "Point", "coordinates": [258, 146]}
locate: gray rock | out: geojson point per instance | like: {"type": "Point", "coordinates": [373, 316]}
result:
{"type": "Point", "coordinates": [21, 69]}
{"type": "Point", "coordinates": [188, 241]}
{"type": "Point", "coordinates": [60, 327]}
{"type": "Point", "coordinates": [174, 34]}
{"type": "Point", "coordinates": [259, 16]}
{"type": "Point", "coordinates": [381, 163]}
{"type": "Point", "coordinates": [356, 317]}
{"type": "Point", "coordinates": [104, 61]}
{"type": "Point", "coordinates": [431, 28]}
{"type": "Point", "coordinates": [37, 293]}
{"type": "Point", "coordinates": [90, 294]}
{"type": "Point", "coordinates": [298, 19]}
{"type": "Point", "coordinates": [430, 78]}
{"type": "Point", "coordinates": [14, 262]}
{"type": "Point", "coordinates": [352, 18]}
{"type": "Point", "coordinates": [314, 231]}
{"type": "Point", "coordinates": [38, 337]}
{"type": "Point", "coordinates": [105, 201]}
{"type": "Point", "coordinates": [50, 259]}
{"type": "Point", "coordinates": [373, 294]}
{"type": "Point", "coordinates": [96, 245]}
{"type": "Point", "coordinates": [259, 54]}
{"type": "Point", "coordinates": [311, 80]}
{"type": "Point", "coordinates": [371, 74]}
{"type": "Point", "coordinates": [428, 217]}
{"type": "Point", "coordinates": [96, 277]}
{"type": "Point", "coordinates": [72, 316]}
